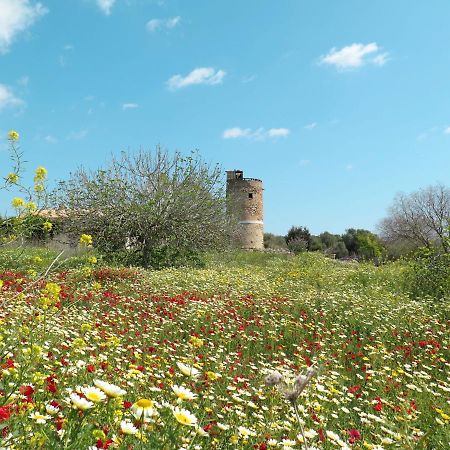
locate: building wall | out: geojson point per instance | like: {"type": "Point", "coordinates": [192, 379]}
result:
{"type": "Point", "coordinates": [246, 199]}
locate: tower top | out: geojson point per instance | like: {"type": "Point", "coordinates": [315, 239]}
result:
{"type": "Point", "coordinates": [238, 175]}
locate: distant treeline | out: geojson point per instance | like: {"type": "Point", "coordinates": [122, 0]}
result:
{"type": "Point", "coordinates": [355, 243]}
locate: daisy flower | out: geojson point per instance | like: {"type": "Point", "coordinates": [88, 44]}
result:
{"type": "Point", "coordinates": [80, 402]}
{"type": "Point", "coordinates": [143, 409]}
{"type": "Point", "coordinates": [189, 371]}
{"type": "Point", "coordinates": [93, 394]}
{"type": "Point", "coordinates": [128, 428]}
{"type": "Point", "coordinates": [39, 418]}
{"type": "Point", "coordinates": [182, 393]}
{"type": "Point", "coordinates": [111, 390]}
{"type": "Point", "coordinates": [184, 417]}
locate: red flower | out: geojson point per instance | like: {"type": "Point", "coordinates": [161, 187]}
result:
{"type": "Point", "coordinates": [26, 390]}
{"type": "Point", "coordinates": [354, 434]}
{"type": "Point", "coordinates": [5, 413]}
{"type": "Point", "coordinates": [90, 368]}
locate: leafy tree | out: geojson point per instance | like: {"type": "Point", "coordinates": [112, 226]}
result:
{"type": "Point", "coordinates": [339, 249]}
{"type": "Point", "coordinates": [329, 240]}
{"type": "Point", "coordinates": [298, 234]}
{"type": "Point", "coordinates": [362, 243]}
{"type": "Point", "coordinates": [151, 209]}
{"type": "Point", "coordinates": [316, 244]}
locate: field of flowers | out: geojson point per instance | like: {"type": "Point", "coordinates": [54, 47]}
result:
{"type": "Point", "coordinates": [98, 357]}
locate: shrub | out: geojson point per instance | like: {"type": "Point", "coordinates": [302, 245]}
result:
{"type": "Point", "coordinates": [428, 275]}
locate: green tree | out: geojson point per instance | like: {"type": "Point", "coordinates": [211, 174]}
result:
{"type": "Point", "coordinates": [362, 243]}
{"type": "Point", "coordinates": [296, 235]}
{"type": "Point", "coordinates": [152, 209]}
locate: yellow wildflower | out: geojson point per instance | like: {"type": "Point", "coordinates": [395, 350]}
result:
{"type": "Point", "coordinates": [17, 202]}
{"type": "Point", "coordinates": [12, 178]}
{"type": "Point", "coordinates": [41, 174]}
{"type": "Point", "coordinates": [86, 240]}
{"type": "Point", "coordinates": [47, 226]}
{"type": "Point", "coordinates": [13, 135]}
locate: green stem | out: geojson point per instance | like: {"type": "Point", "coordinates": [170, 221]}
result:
{"type": "Point", "coordinates": [294, 403]}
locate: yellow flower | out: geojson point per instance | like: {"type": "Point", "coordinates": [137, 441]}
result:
{"type": "Point", "coordinates": [47, 226]}
{"type": "Point", "coordinates": [31, 206]}
{"type": "Point", "coordinates": [39, 188]}
{"type": "Point", "coordinates": [41, 174]}
{"type": "Point", "coordinates": [1, 284]}
{"type": "Point", "coordinates": [13, 135]}
{"type": "Point", "coordinates": [92, 260]}
{"type": "Point", "coordinates": [17, 202]}
{"type": "Point", "coordinates": [213, 376]}
{"type": "Point", "coordinates": [12, 178]}
{"type": "Point", "coordinates": [86, 240]}
{"type": "Point", "coordinates": [196, 342]}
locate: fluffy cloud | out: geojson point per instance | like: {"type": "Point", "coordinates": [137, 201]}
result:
{"type": "Point", "coordinates": [15, 17]}
{"type": "Point", "coordinates": [106, 5]}
{"type": "Point", "coordinates": [278, 132]}
{"type": "Point", "coordinates": [355, 56]}
{"type": "Point", "coordinates": [259, 134]}
{"type": "Point", "coordinates": [201, 75]}
{"type": "Point", "coordinates": [156, 24]}
{"type": "Point", "coordinates": [310, 126]}
{"type": "Point", "coordinates": [130, 106]}
{"type": "Point", "coordinates": [8, 99]}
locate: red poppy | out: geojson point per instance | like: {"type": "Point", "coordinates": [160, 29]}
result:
{"type": "Point", "coordinates": [354, 434]}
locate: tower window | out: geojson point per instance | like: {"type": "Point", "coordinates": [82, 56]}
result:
{"type": "Point", "coordinates": [250, 195]}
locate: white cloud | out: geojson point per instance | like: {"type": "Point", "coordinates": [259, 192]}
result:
{"type": "Point", "coordinates": [354, 56]}
{"type": "Point", "coordinates": [130, 106]}
{"type": "Point", "coordinates": [349, 167]}
{"type": "Point", "coordinates": [8, 99]}
{"type": "Point", "coordinates": [310, 126]}
{"type": "Point", "coordinates": [236, 132]}
{"type": "Point", "coordinates": [15, 17]}
{"type": "Point", "coordinates": [278, 132]}
{"type": "Point", "coordinates": [201, 75]}
{"type": "Point", "coordinates": [447, 130]}
{"type": "Point", "coordinates": [106, 5]}
{"type": "Point", "coordinates": [260, 134]}
{"type": "Point", "coordinates": [156, 24]}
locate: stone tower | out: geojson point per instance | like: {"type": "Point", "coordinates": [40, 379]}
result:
{"type": "Point", "coordinates": [245, 196]}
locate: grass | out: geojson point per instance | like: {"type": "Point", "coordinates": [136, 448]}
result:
{"type": "Point", "coordinates": [216, 332]}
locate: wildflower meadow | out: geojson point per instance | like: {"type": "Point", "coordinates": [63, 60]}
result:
{"type": "Point", "coordinates": [94, 357]}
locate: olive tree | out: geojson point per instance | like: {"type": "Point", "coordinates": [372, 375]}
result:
{"type": "Point", "coordinates": [421, 218]}
{"type": "Point", "coordinates": [152, 208]}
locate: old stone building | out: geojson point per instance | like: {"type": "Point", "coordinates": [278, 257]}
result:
{"type": "Point", "coordinates": [245, 198]}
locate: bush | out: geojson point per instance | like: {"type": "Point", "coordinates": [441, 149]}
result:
{"type": "Point", "coordinates": [428, 275]}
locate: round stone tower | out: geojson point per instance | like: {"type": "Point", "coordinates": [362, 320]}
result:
{"type": "Point", "coordinates": [245, 197]}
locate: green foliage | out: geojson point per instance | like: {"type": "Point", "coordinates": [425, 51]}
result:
{"type": "Point", "coordinates": [32, 259]}
{"type": "Point", "coordinates": [428, 275]}
{"type": "Point", "coordinates": [275, 242]}
{"type": "Point", "coordinates": [362, 243]}
{"type": "Point", "coordinates": [298, 239]}
{"type": "Point", "coordinates": [149, 209]}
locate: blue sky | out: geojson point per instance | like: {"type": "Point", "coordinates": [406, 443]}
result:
{"type": "Point", "coordinates": [337, 106]}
